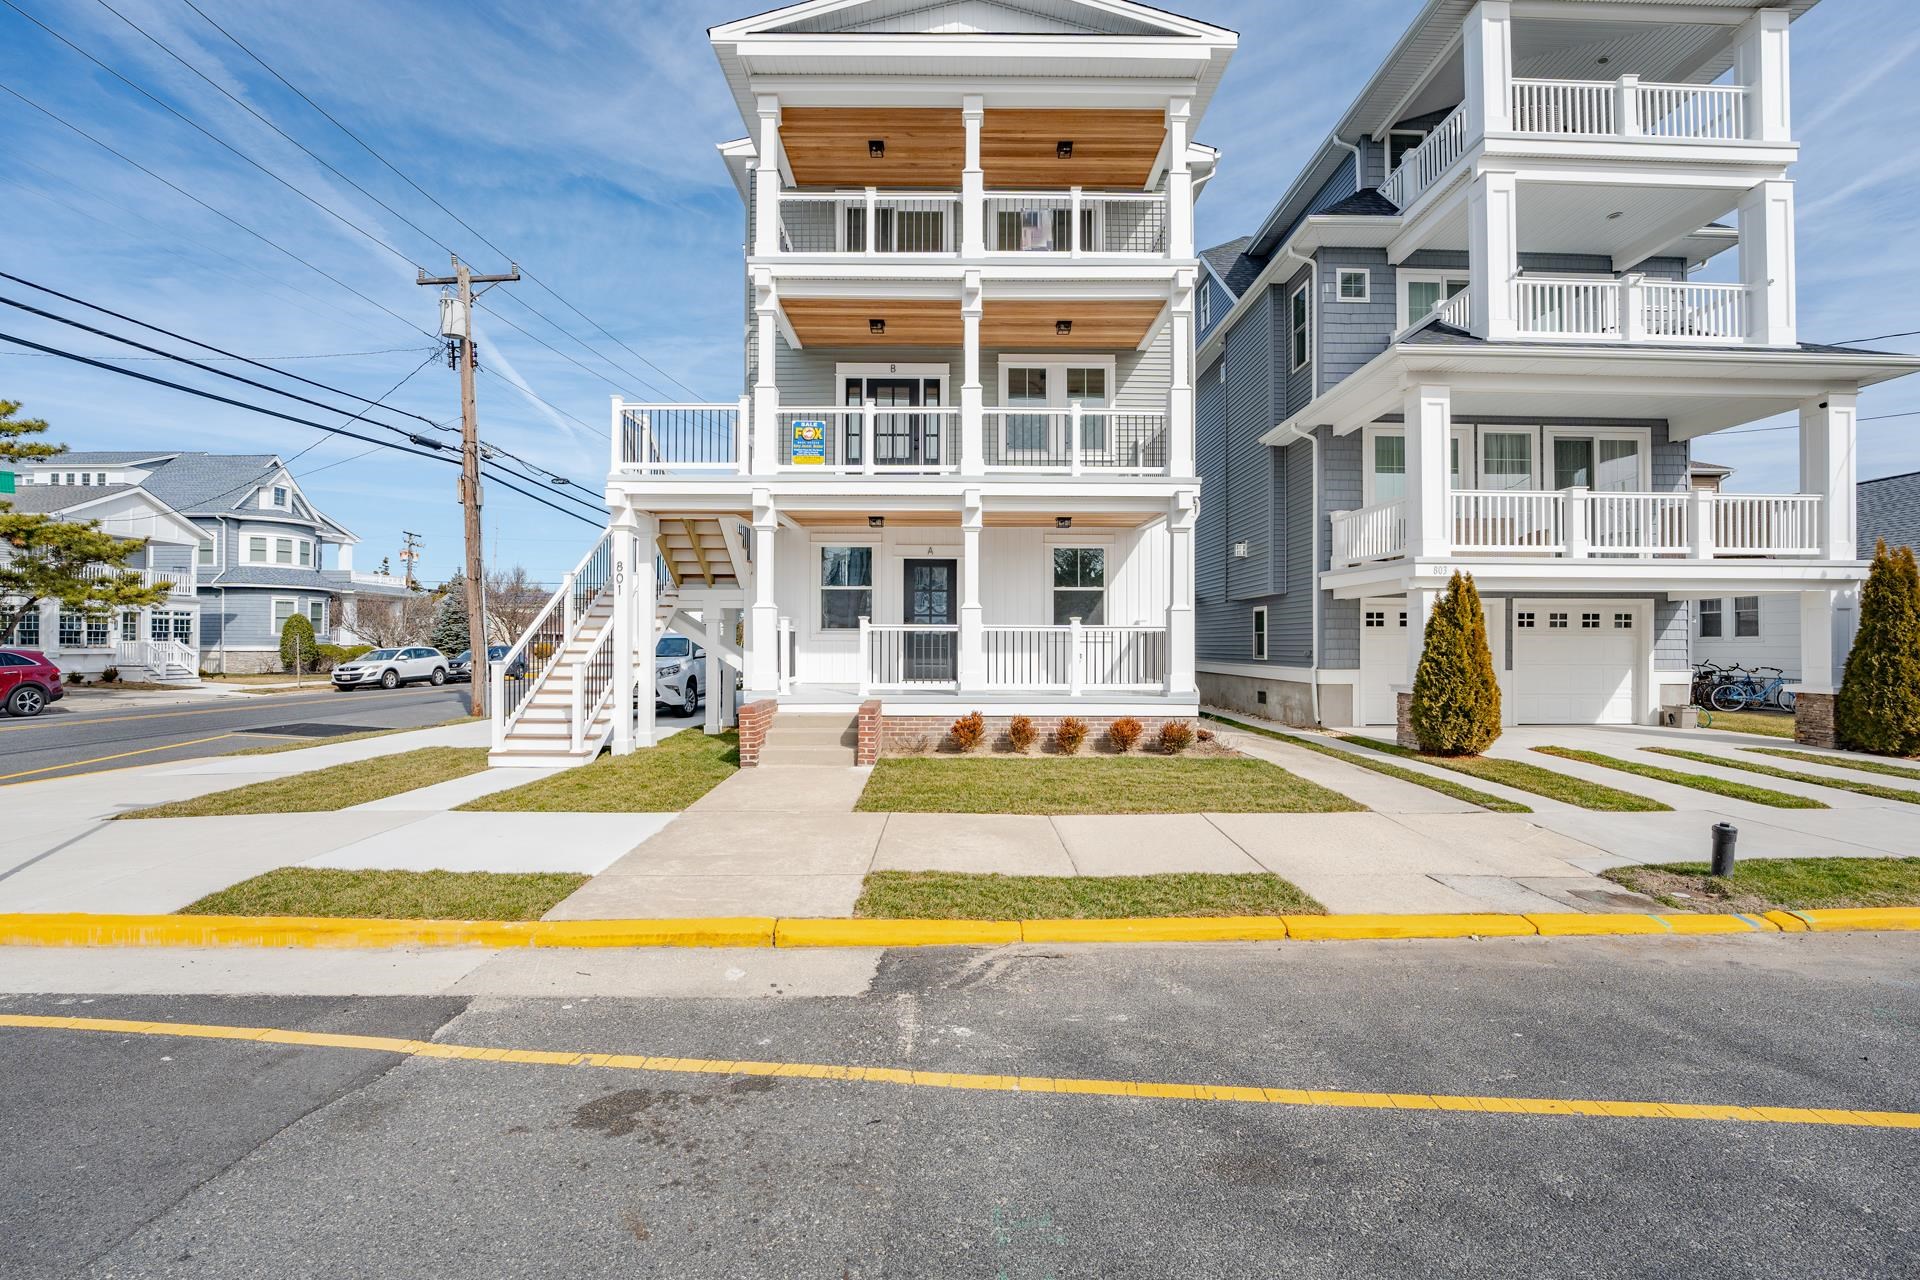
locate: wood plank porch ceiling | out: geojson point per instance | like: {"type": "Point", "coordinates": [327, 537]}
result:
{"type": "Point", "coordinates": [951, 519]}
{"type": "Point", "coordinates": [1010, 324]}
{"type": "Point", "coordinates": [925, 148]}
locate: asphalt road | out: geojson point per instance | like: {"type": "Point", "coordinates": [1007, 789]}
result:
{"type": "Point", "coordinates": [80, 735]}
{"type": "Point", "coordinates": [137, 1155]}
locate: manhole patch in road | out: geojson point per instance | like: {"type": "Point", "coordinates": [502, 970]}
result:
{"type": "Point", "coordinates": [309, 729]}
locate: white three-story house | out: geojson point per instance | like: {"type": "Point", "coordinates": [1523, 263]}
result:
{"type": "Point", "coordinates": [962, 476]}
{"type": "Point", "coordinates": [1481, 332]}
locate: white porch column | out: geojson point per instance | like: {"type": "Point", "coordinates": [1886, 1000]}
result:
{"type": "Point", "coordinates": [1493, 253]}
{"type": "Point", "coordinates": [1486, 48]}
{"type": "Point", "coordinates": [1819, 671]}
{"type": "Point", "coordinates": [1180, 428]}
{"type": "Point", "coordinates": [1419, 610]}
{"type": "Point", "coordinates": [1767, 263]}
{"type": "Point", "coordinates": [973, 458]}
{"type": "Point", "coordinates": [1760, 63]}
{"type": "Point", "coordinates": [1428, 411]}
{"type": "Point", "coordinates": [711, 677]}
{"type": "Point", "coordinates": [763, 622]}
{"type": "Point", "coordinates": [1828, 466]}
{"type": "Point", "coordinates": [973, 655]}
{"type": "Point", "coordinates": [766, 177]}
{"type": "Point", "coordinates": [641, 630]}
{"type": "Point", "coordinates": [766, 375]}
{"type": "Point", "coordinates": [1179, 182]}
{"type": "Point", "coordinates": [973, 180]}
{"type": "Point", "coordinates": [1182, 514]}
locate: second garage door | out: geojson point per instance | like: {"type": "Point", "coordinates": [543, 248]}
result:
{"type": "Point", "coordinates": [1574, 663]}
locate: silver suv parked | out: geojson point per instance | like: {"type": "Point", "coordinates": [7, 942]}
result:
{"type": "Point", "coordinates": [391, 668]}
{"type": "Point", "coordinates": [677, 667]}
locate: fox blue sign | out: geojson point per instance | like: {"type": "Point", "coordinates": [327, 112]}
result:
{"type": "Point", "coordinates": [809, 443]}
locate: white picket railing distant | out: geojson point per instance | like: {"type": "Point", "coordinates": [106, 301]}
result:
{"type": "Point", "coordinates": [1075, 658]}
{"type": "Point", "coordinates": [1508, 520]}
{"type": "Point", "coordinates": [1763, 524]}
{"type": "Point", "coordinates": [1628, 108]}
{"type": "Point", "coordinates": [1564, 106]}
{"type": "Point", "coordinates": [1565, 308]}
{"type": "Point", "coordinates": [660, 438]}
{"type": "Point", "coordinates": [1685, 311]}
{"type": "Point", "coordinates": [1378, 532]}
{"type": "Point", "coordinates": [1427, 163]}
{"type": "Point", "coordinates": [1710, 112]}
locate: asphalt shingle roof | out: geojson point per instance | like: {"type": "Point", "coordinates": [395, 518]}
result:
{"type": "Point", "coordinates": [210, 483]}
{"type": "Point", "coordinates": [1889, 508]}
{"type": "Point", "coordinates": [1369, 203]}
{"type": "Point", "coordinates": [1231, 263]}
{"type": "Point", "coordinates": [45, 499]}
{"type": "Point", "coordinates": [105, 457]}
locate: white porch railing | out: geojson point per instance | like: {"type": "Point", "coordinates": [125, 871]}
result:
{"type": "Point", "coordinates": [869, 222]}
{"type": "Point", "coordinates": [870, 438]}
{"type": "Point", "coordinates": [1688, 312]}
{"type": "Point", "coordinates": [1074, 440]}
{"type": "Point", "coordinates": [1630, 309]}
{"type": "Point", "coordinates": [908, 656]}
{"type": "Point", "coordinates": [1072, 659]}
{"type": "Point", "coordinates": [1582, 523]}
{"type": "Point", "coordinates": [513, 680]}
{"type": "Point", "coordinates": [593, 688]}
{"type": "Point", "coordinates": [1456, 311]}
{"type": "Point", "coordinates": [1627, 108]}
{"type": "Point", "coordinates": [1566, 308]}
{"type": "Point", "coordinates": [661, 438]}
{"type": "Point", "coordinates": [1565, 106]}
{"type": "Point", "coordinates": [1427, 163]}
{"type": "Point", "coordinates": [1378, 532]}
{"type": "Point", "coordinates": [1712, 112]}
{"type": "Point", "coordinates": [155, 655]}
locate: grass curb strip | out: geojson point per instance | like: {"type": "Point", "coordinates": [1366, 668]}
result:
{"type": "Point", "coordinates": [1698, 781]}
{"type": "Point", "coordinates": [1522, 776]}
{"type": "Point", "coordinates": [1854, 785]}
{"type": "Point", "coordinates": [79, 930]}
{"type": "Point", "coordinates": [1454, 790]}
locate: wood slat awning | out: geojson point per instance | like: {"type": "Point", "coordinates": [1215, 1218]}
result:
{"type": "Point", "coordinates": [847, 322]}
{"type": "Point", "coordinates": [925, 148]}
{"type": "Point", "coordinates": [827, 146]}
{"type": "Point", "coordinates": [1112, 150]}
{"type": "Point", "coordinates": [1006, 324]}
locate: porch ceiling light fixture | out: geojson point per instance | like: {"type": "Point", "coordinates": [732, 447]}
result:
{"type": "Point", "coordinates": [876, 148]}
{"type": "Point", "coordinates": [876, 325]}
{"type": "Point", "coordinates": [1063, 149]}
{"type": "Point", "coordinates": [1063, 522]}
{"type": "Point", "coordinates": [876, 522]}
{"type": "Point", "coordinates": [1062, 328]}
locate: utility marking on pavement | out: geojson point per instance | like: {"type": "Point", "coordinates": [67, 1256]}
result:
{"type": "Point", "coordinates": [1339, 1099]}
{"type": "Point", "coordinates": [282, 700]}
{"type": "Point", "coordinates": [75, 764]}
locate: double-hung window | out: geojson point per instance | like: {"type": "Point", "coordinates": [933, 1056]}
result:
{"type": "Point", "coordinates": [1260, 633]}
{"type": "Point", "coordinates": [73, 629]}
{"type": "Point", "coordinates": [1746, 617]}
{"type": "Point", "coordinates": [846, 587]}
{"type": "Point", "coordinates": [1506, 459]}
{"type": "Point", "coordinates": [204, 555]}
{"type": "Point", "coordinates": [256, 549]}
{"type": "Point", "coordinates": [130, 625]}
{"type": "Point", "coordinates": [283, 550]}
{"type": "Point", "coordinates": [317, 615]}
{"type": "Point", "coordinates": [1389, 467]}
{"type": "Point", "coordinates": [26, 631]}
{"type": "Point", "coordinates": [282, 610]}
{"type": "Point", "coordinates": [1711, 618]}
{"type": "Point", "coordinates": [280, 497]}
{"type": "Point", "coordinates": [306, 554]}
{"type": "Point", "coordinates": [99, 632]}
{"type": "Point", "coordinates": [1299, 328]}
{"type": "Point", "coordinates": [1079, 585]}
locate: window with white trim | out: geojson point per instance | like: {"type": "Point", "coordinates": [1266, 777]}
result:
{"type": "Point", "coordinates": [1523, 620]}
{"type": "Point", "coordinates": [203, 555]}
{"type": "Point", "coordinates": [1206, 306]}
{"type": "Point", "coordinates": [1623, 622]}
{"type": "Point", "coordinates": [256, 549]}
{"type": "Point", "coordinates": [1352, 284]}
{"type": "Point", "coordinates": [1079, 585]}
{"type": "Point", "coordinates": [1424, 292]}
{"type": "Point", "coordinates": [1299, 328]}
{"type": "Point", "coordinates": [1746, 617]}
{"type": "Point", "coordinates": [280, 497]}
{"type": "Point", "coordinates": [1374, 618]}
{"type": "Point", "coordinates": [1260, 632]}
{"type": "Point", "coordinates": [26, 631]}
{"type": "Point", "coordinates": [846, 587]}
{"type": "Point", "coordinates": [283, 609]}
{"type": "Point", "coordinates": [1711, 618]}
{"type": "Point", "coordinates": [73, 628]}
{"type": "Point", "coordinates": [317, 615]}
{"type": "Point", "coordinates": [306, 554]}
{"type": "Point", "coordinates": [283, 550]}
{"type": "Point", "coordinates": [99, 631]}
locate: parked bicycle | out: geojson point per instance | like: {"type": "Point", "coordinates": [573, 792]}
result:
{"type": "Point", "coordinates": [1740, 689]}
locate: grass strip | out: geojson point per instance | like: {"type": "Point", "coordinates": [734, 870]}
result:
{"type": "Point", "coordinates": [1778, 884]}
{"type": "Point", "coordinates": [1699, 782]}
{"type": "Point", "coordinates": [1840, 762]}
{"type": "Point", "coordinates": [276, 748]}
{"type": "Point", "coordinates": [1526, 777]}
{"type": "Point", "coordinates": [1458, 791]}
{"type": "Point", "coordinates": [1774, 725]}
{"type": "Point", "coordinates": [950, 784]}
{"type": "Point", "coordinates": [664, 778]}
{"type": "Point", "coordinates": [325, 790]}
{"type": "Point", "coordinates": [947, 895]}
{"type": "Point", "coordinates": [1854, 785]}
{"type": "Point", "coordinates": [392, 895]}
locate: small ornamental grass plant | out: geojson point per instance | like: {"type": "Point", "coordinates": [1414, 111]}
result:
{"type": "Point", "coordinates": [1124, 732]}
{"type": "Point", "coordinates": [1020, 734]}
{"type": "Point", "coordinates": [1175, 736]}
{"type": "Point", "coordinates": [1070, 734]}
{"type": "Point", "coordinates": [968, 732]}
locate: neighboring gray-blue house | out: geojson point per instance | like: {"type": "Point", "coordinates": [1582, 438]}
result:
{"type": "Point", "coordinates": [262, 554]}
{"type": "Point", "coordinates": [1470, 336]}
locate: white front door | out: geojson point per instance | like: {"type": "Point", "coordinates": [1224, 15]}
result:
{"type": "Point", "coordinates": [1385, 633]}
{"type": "Point", "coordinates": [1574, 661]}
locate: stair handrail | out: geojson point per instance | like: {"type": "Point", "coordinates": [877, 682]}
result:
{"type": "Point", "coordinates": [505, 717]}
{"type": "Point", "coordinates": [587, 708]}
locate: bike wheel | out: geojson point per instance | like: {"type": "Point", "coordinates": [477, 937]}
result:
{"type": "Point", "coordinates": [1728, 697]}
{"type": "Point", "coordinates": [1784, 700]}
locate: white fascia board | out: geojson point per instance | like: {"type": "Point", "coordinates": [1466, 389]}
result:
{"type": "Point", "coordinates": [772, 20]}
{"type": "Point", "coordinates": [737, 154]}
{"type": "Point", "coordinates": [1600, 576]}
{"type": "Point", "coordinates": [858, 277]}
{"type": "Point", "coordinates": [879, 89]}
{"type": "Point", "coordinates": [1146, 497]}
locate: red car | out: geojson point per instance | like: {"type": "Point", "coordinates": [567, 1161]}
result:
{"type": "Point", "coordinates": [28, 682]}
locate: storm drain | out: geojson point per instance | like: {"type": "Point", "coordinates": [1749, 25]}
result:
{"type": "Point", "coordinates": [310, 730]}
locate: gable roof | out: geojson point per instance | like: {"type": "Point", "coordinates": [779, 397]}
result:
{"type": "Point", "coordinates": [97, 458]}
{"type": "Point", "coordinates": [1231, 264]}
{"type": "Point", "coordinates": [49, 499]}
{"type": "Point", "coordinates": [211, 483]}
{"type": "Point", "coordinates": [1889, 507]}
{"type": "Point", "coordinates": [966, 17]}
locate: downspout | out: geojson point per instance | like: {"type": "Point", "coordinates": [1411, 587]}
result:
{"type": "Point", "coordinates": [1359, 174]}
{"type": "Point", "coordinates": [1297, 432]}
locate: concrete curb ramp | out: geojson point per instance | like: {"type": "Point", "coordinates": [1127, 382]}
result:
{"type": "Point", "coordinates": [79, 930]}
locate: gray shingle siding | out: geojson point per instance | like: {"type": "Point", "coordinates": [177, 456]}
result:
{"type": "Point", "coordinates": [1888, 508]}
{"type": "Point", "coordinates": [1352, 333]}
{"type": "Point", "coordinates": [1340, 487]}
{"type": "Point", "coordinates": [1249, 488]}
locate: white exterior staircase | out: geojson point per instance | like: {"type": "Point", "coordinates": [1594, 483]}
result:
{"type": "Point", "coordinates": [163, 661]}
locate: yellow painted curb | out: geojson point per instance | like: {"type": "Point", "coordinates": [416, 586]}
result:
{"type": "Point", "coordinates": [894, 933]}
{"type": "Point", "coordinates": [1786, 921]}
{"type": "Point", "coordinates": [1170, 929]}
{"type": "Point", "coordinates": [80, 930]}
{"type": "Point", "coordinates": [1328, 928]}
{"type": "Point", "coordinates": [1573, 924]}
{"type": "Point", "coordinates": [1831, 918]}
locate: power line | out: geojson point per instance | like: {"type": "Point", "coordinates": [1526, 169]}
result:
{"type": "Point", "coordinates": [176, 187]}
{"type": "Point", "coordinates": [585, 345]}
{"type": "Point", "coordinates": [329, 355]}
{"type": "Point", "coordinates": [1908, 333]}
{"type": "Point", "coordinates": [191, 123]}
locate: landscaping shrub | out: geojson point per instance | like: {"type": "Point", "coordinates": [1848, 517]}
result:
{"type": "Point", "coordinates": [1124, 732]}
{"type": "Point", "coordinates": [1175, 736]}
{"type": "Point", "coordinates": [298, 651]}
{"type": "Point", "coordinates": [1456, 697]}
{"type": "Point", "coordinates": [332, 655]}
{"type": "Point", "coordinates": [1878, 709]}
{"type": "Point", "coordinates": [110, 676]}
{"type": "Point", "coordinates": [968, 732]}
{"type": "Point", "coordinates": [1068, 737]}
{"type": "Point", "coordinates": [1020, 733]}
{"type": "Point", "coordinates": [1204, 735]}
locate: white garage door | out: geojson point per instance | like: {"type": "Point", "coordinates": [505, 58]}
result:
{"type": "Point", "coordinates": [1384, 637]}
{"type": "Point", "coordinates": [1574, 662]}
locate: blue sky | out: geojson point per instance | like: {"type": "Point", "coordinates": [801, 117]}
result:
{"type": "Point", "coordinates": [580, 139]}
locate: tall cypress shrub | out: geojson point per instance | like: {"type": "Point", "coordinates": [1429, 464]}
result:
{"type": "Point", "coordinates": [1456, 696]}
{"type": "Point", "coordinates": [1878, 709]}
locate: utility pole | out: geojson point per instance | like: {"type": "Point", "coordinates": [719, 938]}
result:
{"type": "Point", "coordinates": [409, 556]}
{"type": "Point", "coordinates": [458, 328]}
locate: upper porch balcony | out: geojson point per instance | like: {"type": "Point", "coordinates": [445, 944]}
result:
{"type": "Point", "coordinates": [1075, 223]}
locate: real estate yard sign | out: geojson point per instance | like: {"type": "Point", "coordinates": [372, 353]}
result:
{"type": "Point", "coordinates": [809, 443]}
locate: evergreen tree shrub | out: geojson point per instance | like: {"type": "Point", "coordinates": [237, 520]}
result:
{"type": "Point", "coordinates": [450, 620]}
{"type": "Point", "coordinates": [1878, 709]}
{"type": "Point", "coordinates": [298, 650]}
{"type": "Point", "coordinates": [1456, 696]}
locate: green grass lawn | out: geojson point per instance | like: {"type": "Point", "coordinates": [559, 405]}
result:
{"type": "Point", "coordinates": [1779, 884]}
{"type": "Point", "coordinates": [664, 778]}
{"type": "Point", "coordinates": [1698, 781]}
{"type": "Point", "coordinates": [338, 787]}
{"type": "Point", "coordinates": [1527, 777]}
{"type": "Point", "coordinates": [391, 895]}
{"type": "Point", "coordinates": [304, 743]}
{"type": "Point", "coordinates": [1842, 762]}
{"type": "Point", "coordinates": [1793, 775]}
{"type": "Point", "coordinates": [1772, 723]}
{"type": "Point", "coordinates": [947, 895]}
{"type": "Point", "coordinates": [1158, 784]}
{"type": "Point", "coordinates": [1485, 800]}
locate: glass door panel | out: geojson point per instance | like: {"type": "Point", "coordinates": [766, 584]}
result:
{"type": "Point", "coordinates": [1619, 467]}
{"type": "Point", "coordinates": [1572, 463]}
{"type": "Point", "coordinates": [1506, 460]}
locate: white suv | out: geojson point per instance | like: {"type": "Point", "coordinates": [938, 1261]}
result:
{"type": "Point", "coordinates": [391, 668]}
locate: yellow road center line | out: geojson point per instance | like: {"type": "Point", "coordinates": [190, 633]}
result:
{"type": "Point", "coordinates": [75, 764]}
{"type": "Point", "coordinates": [1338, 1099]}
